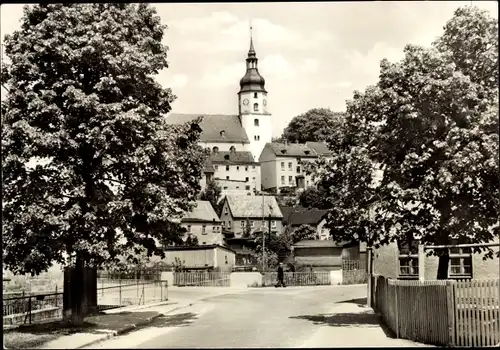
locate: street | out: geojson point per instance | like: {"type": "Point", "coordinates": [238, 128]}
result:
{"type": "Point", "coordinates": [326, 316]}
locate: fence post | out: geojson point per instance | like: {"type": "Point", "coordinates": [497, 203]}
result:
{"type": "Point", "coordinates": [143, 295]}
{"type": "Point", "coordinates": [396, 309]}
{"type": "Point", "coordinates": [120, 291]}
{"type": "Point", "coordinates": [29, 307]}
{"type": "Point", "coordinates": [451, 305]}
{"type": "Point", "coordinates": [421, 262]}
{"type": "Point", "coordinates": [56, 295]}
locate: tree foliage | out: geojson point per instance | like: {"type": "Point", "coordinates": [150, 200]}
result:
{"type": "Point", "coordinates": [191, 241]}
{"type": "Point", "coordinates": [316, 124]}
{"type": "Point", "coordinates": [431, 123]}
{"type": "Point", "coordinates": [212, 193]}
{"type": "Point", "coordinates": [304, 232]}
{"type": "Point", "coordinates": [82, 96]}
{"type": "Point", "coordinates": [314, 197]}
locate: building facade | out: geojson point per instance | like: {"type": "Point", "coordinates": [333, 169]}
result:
{"type": "Point", "coordinates": [204, 224]}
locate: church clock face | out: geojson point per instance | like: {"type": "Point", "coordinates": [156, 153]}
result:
{"type": "Point", "coordinates": [245, 102]}
{"type": "Point", "coordinates": [265, 103]}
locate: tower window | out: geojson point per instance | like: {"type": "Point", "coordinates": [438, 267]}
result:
{"type": "Point", "coordinates": [254, 95]}
{"type": "Point", "coordinates": [258, 137]}
{"type": "Point", "coordinates": [255, 107]}
{"type": "Point", "coordinates": [256, 122]}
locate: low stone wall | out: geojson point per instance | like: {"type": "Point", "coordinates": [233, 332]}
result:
{"type": "Point", "coordinates": [336, 277]}
{"type": "Point", "coordinates": [246, 279]}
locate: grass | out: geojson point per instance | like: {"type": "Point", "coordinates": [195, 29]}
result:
{"type": "Point", "coordinates": [32, 336]}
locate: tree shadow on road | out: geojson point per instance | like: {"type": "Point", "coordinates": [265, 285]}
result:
{"type": "Point", "coordinates": [361, 302]}
{"type": "Point", "coordinates": [177, 320]}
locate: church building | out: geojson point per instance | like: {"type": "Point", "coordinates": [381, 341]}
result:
{"type": "Point", "coordinates": [236, 141]}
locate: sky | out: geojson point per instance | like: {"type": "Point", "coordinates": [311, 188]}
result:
{"type": "Point", "coordinates": [312, 55]}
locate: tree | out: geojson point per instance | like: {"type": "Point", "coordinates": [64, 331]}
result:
{"type": "Point", "coordinates": [212, 193]}
{"type": "Point", "coordinates": [247, 232]}
{"type": "Point", "coordinates": [303, 232]}
{"type": "Point", "coordinates": [431, 123]}
{"type": "Point", "coordinates": [191, 241]}
{"type": "Point", "coordinates": [278, 248]}
{"type": "Point", "coordinates": [314, 197]}
{"type": "Point", "coordinates": [82, 97]}
{"type": "Point", "coordinates": [314, 125]}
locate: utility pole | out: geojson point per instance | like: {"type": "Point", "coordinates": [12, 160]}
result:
{"type": "Point", "coordinates": [263, 236]}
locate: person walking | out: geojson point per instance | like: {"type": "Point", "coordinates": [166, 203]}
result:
{"type": "Point", "coordinates": [281, 276]}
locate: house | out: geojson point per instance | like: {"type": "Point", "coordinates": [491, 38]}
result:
{"type": "Point", "coordinates": [207, 257]}
{"type": "Point", "coordinates": [258, 211]}
{"type": "Point", "coordinates": [282, 165]}
{"type": "Point", "coordinates": [235, 172]}
{"type": "Point", "coordinates": [321, 148]}
{"type": "Point", "coordinates": [312, 217]}
{"type": "Point", "coordinates": [398, 261]}
{"type": "Point", "coordinates": [203, 223]}
{"type": "Point", "coordinates": [320, 255]}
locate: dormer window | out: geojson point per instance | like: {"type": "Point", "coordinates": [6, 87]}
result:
{"type": "Point", "coordinates": [226, 157]}
{"type": "Point", "coordinates": [222, 133]}
{"type": "Point", "coordinates": [283, 151]}
{"type": "Point", "coordinates": [256, 122]}
{"type": "Point", "coordinates": [306, 152]}
{"type": "Point", "coordinates": [255, 107]}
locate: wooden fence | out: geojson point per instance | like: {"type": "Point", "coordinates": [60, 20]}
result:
{"type": "Point", "coordinates": [449, 313]}
{"type": "Point", "coordinates": [354, 272]}
{"type": "Point", "coordinates": [202, 278]}
{"type": "Point", "coordinates": [315, 278]}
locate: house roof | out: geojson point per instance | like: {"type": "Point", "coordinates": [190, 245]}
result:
{"type": "Point", "coordinates": [308, 243]}
{"type": "Point", "coordinates": [213, 125]}
{"type": "Point", "coordinates": [320, 148]}
{"type": "Point", "coordinates": [237, 157]}
{"type": "Point", "coordinates": [203, 212]}
{"type": "Point", "coordinates": [198, 247]}
{"type": "Point", "coordinates": [287, 211]}
{"type": "Point", "coordinates": [308, 217]}
{"type": "Point", "coordinates": [243, 206]}
{"type": "Point", "coordinates": [291, 150]}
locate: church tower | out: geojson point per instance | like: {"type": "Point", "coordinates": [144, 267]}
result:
{"type": "Point", "coordinates": [252, 102]}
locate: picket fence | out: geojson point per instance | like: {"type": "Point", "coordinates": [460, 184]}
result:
{"type": "Point", "coordinates": [314, 278]}
{"type": "Point", "coordinates": [202, 279]}
{"type": "Point", "coordinates": [354, 272]}
{"type": "Point", "coordinates": [448, 313]}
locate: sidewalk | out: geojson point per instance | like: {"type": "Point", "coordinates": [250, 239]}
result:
{"type": "Point", "coordinates": [179, 297]}
{"type": "Point", "coordinates": [353, 325]}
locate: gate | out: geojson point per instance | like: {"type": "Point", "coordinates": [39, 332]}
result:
{"type": "Point", "coordinates": [354, 272]}
{"type": "Point", "coordinates": [202, 279]}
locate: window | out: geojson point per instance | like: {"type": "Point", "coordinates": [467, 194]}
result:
{"type": "Point", "coordinates": [460, 262]}
{"type": "Point", "coordinates": [408, 259]}
{"type": "Point", "coordinates": [289, 165]}
{"type": "Point", "coordinates": [204, 243]}
{"type": "Point", "coordinates": [214, 228]}
{"type": "Point", "coordinates": [246, 168]}
{"type": "Point", "coordinates": [215, 149]}
{"type": "Point", "coordinates": [247, 188]}
{"type": "Point", "coordinates": [204, 230]}
{"type": "Point", "coordinates": [189, 228]}
{"type": "Point", "coordinates": [255, 107]}
{"type": "Point", "coordinates": [227, 167]}
{"type": "Point", "coordinates": [254, 95]}
{"type": "Point", "coordinates": [232, 149]}
{"type": "Point", "coordinates": [246, 179]}
{"type": "Point", "coordinates": [256, 122]}
{"type": "Point", "coordinates": [237, 187]}
{"type": "Point", "coordinates": [227, 177]}
{"type": "Point", "coordinates": [252, 223]}
{"type": "Point", "coordinates": [290, 179]}
{"type": "Point", "coordinates": [254, 137]}
{"type": "Point", "coordinates": [298, 169]}
{"type": "Point", "coordinates": [238, 168]}
{"type": "Point", "coordinates": [223, 223]}
{"type": "Point", "coordinates": [253, 166]}
{"type": "Point", "coordinates": [226, 258]}
{"type": "Point", "coordinates": [273, 224]}
{"type": "Point", "coordinates": [242, 223]}
{"type": "Point", "coordinates": [282, 180]}
{"type": "Point", "coordinates": [282, 165]}
{"type": "Point", "coordinates": [263, 224]}
{"type": "Point", "coordinates": [225, 187]}
{"type": "Point", "coordinates": [222, 133]}
{"type": "Point", "coordinates": [216, 167]}
{"type": "Point", "coordinates": [229, 224]}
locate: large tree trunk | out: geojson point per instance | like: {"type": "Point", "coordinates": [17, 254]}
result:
{"type": "Point", "coordinates": [77, 293]}
{"type": "Point", "coordinates": [444, 262]}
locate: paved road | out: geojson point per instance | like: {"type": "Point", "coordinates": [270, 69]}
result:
{"type": "Point", "coordinates": [266, 317]}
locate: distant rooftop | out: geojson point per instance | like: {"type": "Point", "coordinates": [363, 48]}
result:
{"type": "Point", "coordinates": [242, 206]}
{"type": "Point", "coordinates": [203, 212]}
{"type": "Point", "coordinates": [291, 150]}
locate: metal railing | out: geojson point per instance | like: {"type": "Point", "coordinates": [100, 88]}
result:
{"type": "Point", "coordinates": [297, 278]}
{"type": "Point", "coordinates": [118, 293]}
{"type": "Point", "coordinates": [32, 308]}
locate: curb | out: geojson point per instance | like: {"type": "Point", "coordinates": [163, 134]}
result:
{"type": "Point", "coordinates": [121, 331]}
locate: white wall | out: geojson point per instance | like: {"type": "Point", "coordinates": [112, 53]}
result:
{"type": "Point", "coordinates": [238, 173]}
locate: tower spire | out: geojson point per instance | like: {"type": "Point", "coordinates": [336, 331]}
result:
{"type": "Point", "coordinates": [251, 52]}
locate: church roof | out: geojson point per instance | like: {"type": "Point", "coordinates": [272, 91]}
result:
{"type": "Point", "coordinates": [237, 157]}
{"type": "Point", "coordinates": [216, 127]}
{"type": "Point", "coordinates": [291, 150]}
